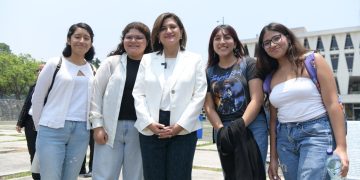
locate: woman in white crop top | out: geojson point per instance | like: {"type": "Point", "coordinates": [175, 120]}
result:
{"type": "Point", "coordinates": [309, 121]}
{"type": "Point", "coordinates": [62, 121]}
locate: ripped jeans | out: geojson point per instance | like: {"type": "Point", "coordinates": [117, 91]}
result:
{"type": "Point", "coordinates": [302, 148]}
{"type": "Point", "coordinates": [61, 151]}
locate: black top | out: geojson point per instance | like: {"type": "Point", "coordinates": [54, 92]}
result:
{"type": "Point", "coordinates": [127, 108]}
{"type": "Point", "coordinates": [229, 88]}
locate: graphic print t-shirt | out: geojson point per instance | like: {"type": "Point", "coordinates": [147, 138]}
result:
{"type": "Point", "coordinates": [229, 87]}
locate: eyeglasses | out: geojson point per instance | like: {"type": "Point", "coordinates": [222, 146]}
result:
{"type": "Point", "coordinates": [275, 39]}
{"type": "Point", "coordinates": [135, 37]}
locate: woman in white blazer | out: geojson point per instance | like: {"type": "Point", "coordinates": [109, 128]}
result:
{"type": "Point", "coordinates": [169, 94]}
{"type": "Point", "coordinates": [112, 108]}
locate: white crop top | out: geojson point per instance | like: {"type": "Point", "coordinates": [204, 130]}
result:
{"type": "Point", "coordinates": [297, 100]}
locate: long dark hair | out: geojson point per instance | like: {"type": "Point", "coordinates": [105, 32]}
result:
{"type": "Point", "coordinates": [267, 64]}
{"type": "Point", "coordinates": [67, 50]}
{"type": "Point", "coordinates": [156, 44]}
{"type": "Point", "coordinates": [138, 26]}
{"type": "Point", "coordinates": [239, 50]}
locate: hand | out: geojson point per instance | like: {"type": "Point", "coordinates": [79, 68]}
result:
{"type": "Point", "coordinates": [344, 160]}
{"type": "Point", "coordinates": [273, 170]}
{"type": "Point", "coordinates": [156, 128]}
{"type": "Point", "coordinates": [170, 131]}
{"type": "Point", "coordinates": [18, 129]}
{"type": "Point", "coordinates": [100, 135]}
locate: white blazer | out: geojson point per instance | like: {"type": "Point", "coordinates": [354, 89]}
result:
{"type": "Point", "coordinates": [108, 90]}
{"type": "Point", "coordinates": [187, 91]}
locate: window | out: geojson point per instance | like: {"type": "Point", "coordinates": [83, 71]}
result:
{"type": "Point", "coordinates": [334, 61]}
{"type": "Point", "coordinates": [354, 85]}
{"type": "Point", "coordinates": [349, 61]}
{"type": "Point", "coordinates": [333, 45]}
{"type": "Point", "coordinates": [306, 43]}
{"type": "Point", "coordinates": [348, 42]}
{"type": "Point", "coordinates": [319, 45]}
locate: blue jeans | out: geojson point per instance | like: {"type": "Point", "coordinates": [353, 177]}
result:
{"type": "Point", "coordinates": [260, 131]}
{"type": "Point", "coordinates": [168, 159]}
{"type": "Point", "coordinates": [61, 151]}
{"type": "Point", "coordinates": [302, 148]}
{"type": "Point", "coordinates": [125, 154]}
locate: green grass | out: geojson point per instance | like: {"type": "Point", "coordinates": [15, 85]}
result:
{"type": "Point", "coordinates": [208, 168]}
{"type": "Point", "coordinates": [16, 175]}
{"type": "Point", "coordinates": [205, 144]}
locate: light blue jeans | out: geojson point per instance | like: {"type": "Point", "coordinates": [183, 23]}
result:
{"type": "Point", "coordinates": [125, 154]}
{"type": "Point", "coordinates": [61, 151]}
{"type": "Point", "coordinates": [259, 129]}
{"type": "Point", "coordinates": [302, 148]}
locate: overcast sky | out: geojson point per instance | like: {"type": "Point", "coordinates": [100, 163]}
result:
{"type": "Point", "coordinates": [39, 27]}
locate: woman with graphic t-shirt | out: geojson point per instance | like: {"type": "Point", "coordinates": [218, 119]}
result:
{"type": "Point", "coordinates": [234, 90]}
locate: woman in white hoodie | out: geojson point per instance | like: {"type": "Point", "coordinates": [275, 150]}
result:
{"type": "Point", "coordinates": [112, 108]}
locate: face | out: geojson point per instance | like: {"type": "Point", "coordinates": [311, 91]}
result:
{"type": "Point", "coordinates": [223, 43]}
{"type": "Point", "coordinates": [275, 44]}
{"type": "Point", "coordinates": [135, 44]}
{"type": "Point", "coordinates": [80, 42]}
{"type": "Point", "coordinates": [170, 33]}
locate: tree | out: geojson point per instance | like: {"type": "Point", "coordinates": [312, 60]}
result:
{"type": "Point", "coordinates": [4, 48]}
{"type": "Point", "coordinates": [96, 62]}
{"type": "Point", "coordinates": [17, 73]}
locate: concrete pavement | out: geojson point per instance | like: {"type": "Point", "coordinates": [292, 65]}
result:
{"type": "Point", "coordinates": [15, 160]}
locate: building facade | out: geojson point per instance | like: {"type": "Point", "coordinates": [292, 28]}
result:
{"type": "Point", "coordinates": [341, 49]}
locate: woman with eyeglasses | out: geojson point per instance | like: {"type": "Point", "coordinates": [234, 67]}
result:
{"type": "Point", "coordinates": [234, 100]}
{"type": "Point", "coordinates": [112, 108]}
{"type": "Point", "coordinates": [309, 119]}
{"type": "Point", "coordinates": [61, 114]}
{"type": "Point", "coordinates": [169, 94]}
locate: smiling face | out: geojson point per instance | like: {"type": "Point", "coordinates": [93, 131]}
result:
{"type": "Point", "coordinates": [170, 33]}
{"type": "Point", "coordinates": [223, 43]}
{"type": "Point", "coordinates": [275, 44]}
{"type": "Point", "coordinates": [135, 44]}
{"type": "Point", "coordinates": [80, 42]}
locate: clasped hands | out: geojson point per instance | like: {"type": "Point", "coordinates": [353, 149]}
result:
{"type": "Point", "coordinates": [163, 131]}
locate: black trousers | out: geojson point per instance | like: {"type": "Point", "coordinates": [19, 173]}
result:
{"type": "Point", "coordinates": [30, 134]}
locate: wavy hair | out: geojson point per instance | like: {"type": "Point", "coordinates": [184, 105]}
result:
{"type": "Point", "coordinates": [266, 64]}
{"type": "Point", "coordinates": [239, 50]}
{"type": "Point", "coordinates": [133, 25]}
{"type": "Point", "coordinates": [156, 44]}
{"type": "Point", "coordinates": [67, 50]}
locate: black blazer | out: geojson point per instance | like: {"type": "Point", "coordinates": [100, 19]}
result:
{"type": "Point", "coordinates": [24, 118]}
{"type": "Point", "coordinates": [239, 154]}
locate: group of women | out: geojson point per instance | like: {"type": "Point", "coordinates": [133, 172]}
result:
{"type": "Point", "coordinates": [144, 101]}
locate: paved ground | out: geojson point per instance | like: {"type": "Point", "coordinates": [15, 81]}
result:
{"type": "Point", "coordinates": [14, 158]}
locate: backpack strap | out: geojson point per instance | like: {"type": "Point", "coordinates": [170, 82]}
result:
{"type": "Point", "coordinates": [267, 84]}
{"type": "Point", "coordinates": [53, 79]}
{"type": "Point", "coordinates": [311, 69]}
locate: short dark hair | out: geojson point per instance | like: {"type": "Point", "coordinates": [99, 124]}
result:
{"type": "Point", "coordinates": [67, 50]}
{"type": "Point", "coordinates": [138, 26]}
{"type": "Point", "coordinates": [157, 46]}
{"type": "Point", "coordinates": [265, 63]}
{"type": "Point", "coordinates": [239, 51]}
